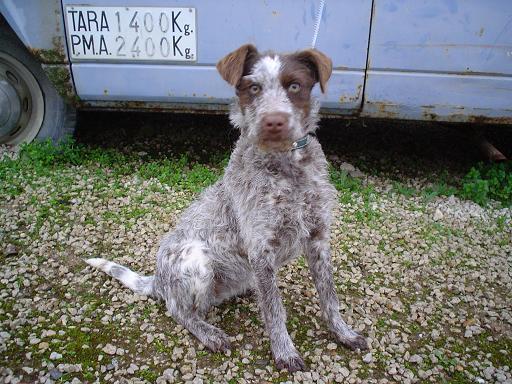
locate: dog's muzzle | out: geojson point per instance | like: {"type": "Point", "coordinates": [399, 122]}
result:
{"type": "Point", "coordinates": [274, 127]}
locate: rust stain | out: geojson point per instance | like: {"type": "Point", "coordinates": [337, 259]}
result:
{"type": "Point", "coordinates": [389, 110]}
{"type": "Point", "coordinates": [157, 106]}
{"type": "Point", "coordinates": [428, 113]}
{"type": "Point", "coordinates": [383, 109]}
{"type": "Point", "coordinates": [55, 55]}
{"type": "Point", "coordinates": [330, 113]}
{"type": "Point", "coordinates": [430, 116]}
{"type": "Point", "coordinates": [479, 119]}
{"type": "Point", "coordinates": [132, 104]}
{"type": "Point", "coordinates": [60, 76]}
{"type": "Point", "coordinates": [349, 99]}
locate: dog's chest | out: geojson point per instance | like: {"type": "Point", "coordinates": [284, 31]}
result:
{"type": "Point", "coordinates": [297, 212]}
{"type": "Point", "coordinates": [280, 206]}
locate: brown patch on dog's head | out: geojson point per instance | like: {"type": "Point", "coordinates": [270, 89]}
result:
{"type": "Point", "coordinates": [245, 97]}
{"type": "Point", "coordinates": [296, 71]}
{"type": "Point", "coordinates": [317, 62]}
{"type": "Point", "coordinates": [237, 63]}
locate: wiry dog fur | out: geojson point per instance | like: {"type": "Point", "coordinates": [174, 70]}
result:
{"type": "Point", "coordinates": [272, 204]}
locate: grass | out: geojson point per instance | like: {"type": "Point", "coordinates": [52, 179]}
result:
{"type": "Point", "coordinates": [177, 172]}
{"type": "Point", "coordinates": [481, 184]}
{"type": "Point", "coordinates": [148, 375]}
{"type": "Point", "coordinates": [402, 189]}
{"type": "Point", "coordinates": [345, 184]}
{"type": "Point", "coordinates": [351, 189]}
{"type": "Point", "coordinates": [438, 189]}
{"type": "Point", "coordinates": [44, 159]}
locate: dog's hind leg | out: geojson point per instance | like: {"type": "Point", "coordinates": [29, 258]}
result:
{"type": "Point", "coordinates": [319, 260]}
{"type": "Point", "coordinates": [185, 281]}
{"type": "Point", "coordinates": [212, 337]}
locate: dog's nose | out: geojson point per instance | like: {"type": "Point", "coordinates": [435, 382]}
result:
{"type": "Point", "coordinates": [275, 123]}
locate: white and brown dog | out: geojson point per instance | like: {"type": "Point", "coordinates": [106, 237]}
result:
{"type": "Point", "coordinates": [273, 203]}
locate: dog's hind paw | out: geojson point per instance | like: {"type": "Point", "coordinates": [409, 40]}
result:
{"type": "Point", "coordinates": [356, 342]}
{"type": "Point", "coordinates": [292, 364]}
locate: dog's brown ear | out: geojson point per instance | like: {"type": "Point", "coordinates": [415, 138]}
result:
{"type": "Point", "coordinates": [231, 67]}
{"type": "Point", "coordinates": [320, 63]}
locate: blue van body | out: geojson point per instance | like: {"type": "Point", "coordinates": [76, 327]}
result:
{"type": "Point", "coordinates": [445, 60]}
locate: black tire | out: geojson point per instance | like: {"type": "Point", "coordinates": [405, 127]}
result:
{"type": "Point", "coordinates": [30, 107]}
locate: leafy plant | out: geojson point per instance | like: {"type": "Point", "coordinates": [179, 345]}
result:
{"type": "Point", "coordinates": [488, 181]}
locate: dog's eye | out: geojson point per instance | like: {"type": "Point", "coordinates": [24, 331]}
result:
{"type": "Point", "coordinates": [294, 87]}
{"type": "Point", "coordinates": [254, 89]}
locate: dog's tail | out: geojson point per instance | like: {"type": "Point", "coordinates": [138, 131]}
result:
{"type": "Point", "coordinates": [142, 285]}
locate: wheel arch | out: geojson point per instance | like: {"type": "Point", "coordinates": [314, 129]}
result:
{"type": "Point", "coordinates": [53, 81]}
{"type": "Point", "coordinates": [43, 38]}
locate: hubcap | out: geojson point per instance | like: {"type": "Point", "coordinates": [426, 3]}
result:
{"type": "Point", "coordinates": [21, 102]}
{"type": "Point", "coordinates": [10, 108]}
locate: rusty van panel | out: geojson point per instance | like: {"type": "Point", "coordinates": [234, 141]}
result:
{"type": "Point", "coordinates": [40, 27]}
{"type": "Point", "coordinates": [445, 60]}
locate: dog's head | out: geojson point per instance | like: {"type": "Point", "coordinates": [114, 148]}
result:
{"type": "Point", "coordinates": [274, 106]}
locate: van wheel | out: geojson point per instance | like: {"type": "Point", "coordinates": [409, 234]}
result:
{"type": "Point", "coordinates": [30, 108]}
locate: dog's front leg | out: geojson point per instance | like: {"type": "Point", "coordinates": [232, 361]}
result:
{"type": "Point", "coordinates": [273, 312]}
{"type": "Point", "coordinates": [319, 260]}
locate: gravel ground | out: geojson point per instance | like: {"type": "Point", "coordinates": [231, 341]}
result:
{"type": "Point", "coordinates": [426, 278]}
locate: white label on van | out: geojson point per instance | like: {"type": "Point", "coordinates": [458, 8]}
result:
{"type": "Point", "coordinates": [131, 33]}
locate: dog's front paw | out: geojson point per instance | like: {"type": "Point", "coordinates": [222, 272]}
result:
{"type": "Point", "coordinates": [354, 342]}
{"type": "Point", "coordinates": [291, 363]}
{"type": "Point", "coordinates": [217, 341]}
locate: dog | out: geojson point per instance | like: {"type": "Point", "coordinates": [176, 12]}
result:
{"type": "Point", "coordinates": [273, 203]}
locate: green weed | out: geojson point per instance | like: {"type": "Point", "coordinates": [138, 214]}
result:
{"type": "Point", "coordinates": [345, 184]}
{"type": "Point", "coordinates": [438, 189]}
{"type": "Point", "coordinates": [488, 181]}
{"type": "Point", "coordinates": [404, 189]}
{"type": "Point", "coordinates": [148, 375]}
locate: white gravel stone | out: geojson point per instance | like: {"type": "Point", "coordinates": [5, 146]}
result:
{"type": "Point", "coordinates": [55, 356]}
{"type": "Point", "coordinates": [415, 359]}
{"type": "Point", "coordinates": [344, 372]}
{"type": "Point", "coordinates": [438, 215]}
{"type": "Point", "coordinates": [368, 358]}
{"type": "Point", "coordinates": [109, 349]}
